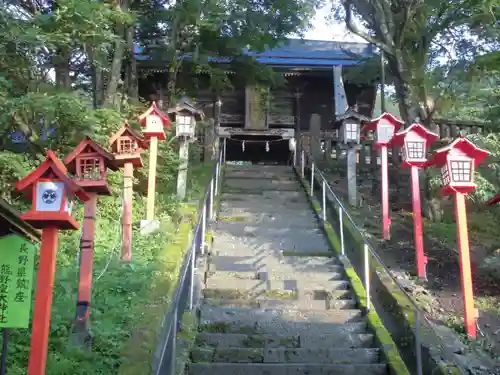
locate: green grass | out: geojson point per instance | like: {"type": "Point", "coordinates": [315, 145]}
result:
{"type": "Point", "coordinates": [128, 300]}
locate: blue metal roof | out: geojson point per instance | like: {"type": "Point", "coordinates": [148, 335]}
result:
{"type": "Point", "coordinates": [302, 53]}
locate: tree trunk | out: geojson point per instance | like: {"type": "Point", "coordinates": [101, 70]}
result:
{"type": "Point", "coordinates": [132, 88]}
{"type": "Point", "coordinates": [62, 68]}
{"type": "Point", "coordinates": [115, 71]}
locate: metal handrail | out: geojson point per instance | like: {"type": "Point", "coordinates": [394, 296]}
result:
{"type": "Point", "coordinates": [164, 361]}
{"type": "Point", "coordinates": [368, 249]}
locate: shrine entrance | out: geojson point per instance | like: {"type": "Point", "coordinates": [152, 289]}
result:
{"type": "Point", "coordinates": [263, 149]}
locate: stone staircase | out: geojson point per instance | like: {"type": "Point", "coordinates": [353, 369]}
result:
{"type": "Point", "coordinates": [275, 301]}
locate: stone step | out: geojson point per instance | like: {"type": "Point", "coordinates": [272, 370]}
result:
{"type": "Point", "coordinates": [251, 317]}
{"type": "Point", "coordinates": [284, 369]}
{"type": "Point", "coordinates": [271, 263]}
{"type": "Point", "coordinates": [256, 287]}
{"type": "Point", "coordinates": [339, 340]}
{"type": "Point", "coordinates": [285, 355]}
{"type": "Point", "coordinates": [336, 274]}
{"type": "Point", "coordinates": [336, 299]}
{"type": "Point", "coordinates": [259, 168]}
{"type": "Point", "coordinates": [262, 196]}
{"type": "Point", "coordinates": [269, 303]}
{"type": "Point", "coordinates": [230, 231]}
{"type": "Point", "coordinates": [282, 327]}
{"type": "Point", "coordinates": [273, 220]}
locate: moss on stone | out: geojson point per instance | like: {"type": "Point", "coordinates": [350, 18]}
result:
{"type": "Point", "coordinates": [232, 219]}
{"type": "Point", "coordinates": [214, 327]}
{"type": "Point", "coordinates": [279, 294]}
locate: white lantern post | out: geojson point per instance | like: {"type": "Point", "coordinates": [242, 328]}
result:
{"type": "Point", "coordinates": [350, 126]}
{"type": "Point", "coordinates": [186, 115]}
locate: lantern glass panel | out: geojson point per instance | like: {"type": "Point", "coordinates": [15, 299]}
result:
{"type": "Point", "coordinates": [445, 175]}
{"type": "Point", "coordinates": [414, 150]}
{"type": "Point", "coordinates": [385, 132]}
{"type": "Point", "coordinates": [350, 131]}
{"type": "Point", "coordinates": [49, 196]}
{"type": "Point", "coordinates": [184, 125]}
{"type": "Point", "coordinates": [461, 171]}
{"type": "Point", "coordinates": [127, 146]}
{"type": "Point", "coordinates": [90, 169]}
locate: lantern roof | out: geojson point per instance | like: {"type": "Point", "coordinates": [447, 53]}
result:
{"type": "Point", "coordinates": [89, 143]}
{"type": "Point", "coordinates": [439, 157]}
{"type": "Point", "coordinates": [399, 137]}
{"type": "Point", "coordinates": [127, 130]}
{"type": "Point", "coordinates": [351, 113]}
{"type": "Point", "coordinates": [54, 165]}
{"type": "Point", "coordinates": [153, 110]}
{"type": "Point", "coordinates": [185, 105]}
{"type": "Point", "coordinates": [372, 124]}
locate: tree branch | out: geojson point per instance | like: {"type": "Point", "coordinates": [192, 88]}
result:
{"type": "Point", "coordinates": [352, 27]}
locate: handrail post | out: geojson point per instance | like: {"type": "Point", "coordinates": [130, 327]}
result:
{"type": "Point", "coordinates": [418, 346]}
{"type": "Point", "coordinates": [216, 188]}
{"type": "Point", "coordinates": [203, 228]}
{"type": "Point", "coordinates": [341, 229]}
{"type": "Point", "coordinates": [312, 179]}
{"type": "Point", "coordinates": [367, 275]}
{"type": "Point", "coordinates": [223, 156]}
{"type": "Point", "coordinates": [211, 197]}
{"type": "Point", "coordinates": [192, 273]}
{"type": "Point", "coordinates": [302, 166]}
{"type": "Point", "coordinates": [173, 351]}
{"type": "Point", "coordinates": [323, 188]}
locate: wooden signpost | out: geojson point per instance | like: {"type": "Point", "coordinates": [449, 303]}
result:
{"type": "Point", "coordinates": [126, 146]}
{"type": "Point", "coordinates": [88, 163]}
{"type": "Point", "coordinates": [153, 122]}
{"type": "Point", "coordinates": [51, 192]}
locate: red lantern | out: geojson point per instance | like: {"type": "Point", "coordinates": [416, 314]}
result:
{"type": "Point", "coordinates": [153, 122]}
{"type": "Point", "coordinates": [414, 141]}
{"type": "Point", "coordinates": [458, 161]}
{"type": "Point", "coordinates": [384, 126]}
{"type": "Point", "coordinates": [51, 192]}
{"type": "Point", "coordinates": [88, 163]}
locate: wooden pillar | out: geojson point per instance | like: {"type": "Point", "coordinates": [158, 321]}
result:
{"type": "Point", "coordinates": [128, 183]}
{"type": "Point", "coordinates": [315, 131]}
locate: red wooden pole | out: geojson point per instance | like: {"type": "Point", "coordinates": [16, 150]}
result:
{"type": "Point", "coordinates": [128, 180]}
{"type": "Point", "coordinates": [82, 325]}
{"type": "Point", "coordinates": [417, 223]}
{"type": "Point", "coordinates": [386, 221]}
{"type": "Point", "coordinates": [43, 302]}
{"type": "Point", "coordinates": [470, 312]}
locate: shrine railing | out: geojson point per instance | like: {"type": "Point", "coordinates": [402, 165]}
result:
{"type": "Point", "coordinates": [185, 294]}
{"type": "Point", "coordinates": [421, 348]}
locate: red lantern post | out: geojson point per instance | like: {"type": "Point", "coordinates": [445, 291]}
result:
{"type": "Point", "coordinates": [458, 161]}
{"type": "Point", "coordinates": [415, 140]}
{"type": "Point", "coordinates": [51, 192]}
{"type": "Point", "coordinates": [88, 163]}
{"type": "Point", "coordinates": [153, 122]}
{"type": "Point", "coordinates": [126, 146]}
{"type": "Point", "coordinates": [384, 127]}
